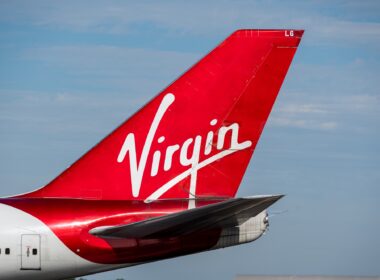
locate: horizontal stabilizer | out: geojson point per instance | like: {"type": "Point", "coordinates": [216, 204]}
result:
{"type": "Point", "coordinates": [221, 215]}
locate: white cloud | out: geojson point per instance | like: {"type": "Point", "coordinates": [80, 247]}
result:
{"type": "Point", "coordinates": [97, 56]}
{"type": "Point", "coordinates": [201, 17]}
{"type": "Point", "coordinates": [302, 123]}
{"type": "Point", "coordinates": [302, 108]}
{"type": "Point", "coordinates": [117, 68]}
{"type": "Point", "coordinates": [329, 112]}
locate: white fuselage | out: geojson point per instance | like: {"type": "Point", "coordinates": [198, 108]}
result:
{"type": "Point", "coordinates": [30, 250]}
{"type": "Point", "coordinates": [52, 259]}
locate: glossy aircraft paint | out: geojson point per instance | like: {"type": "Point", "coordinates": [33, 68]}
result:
{"type": "Point", "coordinates": [186, 149]}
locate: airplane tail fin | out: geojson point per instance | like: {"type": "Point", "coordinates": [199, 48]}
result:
{"type": "Point", "coordinates": [196, 137]}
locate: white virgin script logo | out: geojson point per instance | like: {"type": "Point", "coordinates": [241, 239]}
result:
{"type": "Point", "coordinates": [137, 166]}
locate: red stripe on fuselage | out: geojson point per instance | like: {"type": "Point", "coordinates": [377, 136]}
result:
{"type": "Point", "coordinates": [72, 219]}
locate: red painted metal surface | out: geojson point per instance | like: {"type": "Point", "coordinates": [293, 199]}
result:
{"type": "Point", "coordinates": [72, 219]}
{"type": "Point", "coordinates": [236, 83]}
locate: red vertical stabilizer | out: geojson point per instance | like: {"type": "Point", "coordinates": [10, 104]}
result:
{"type": "Point", "coordinates": [196, 137]}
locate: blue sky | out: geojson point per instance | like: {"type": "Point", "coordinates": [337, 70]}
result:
{"type": "Point", "coordinates": [71, 71]}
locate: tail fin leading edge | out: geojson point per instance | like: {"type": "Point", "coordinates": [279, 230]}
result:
{"type": "Point", "coordinates": [197, 136]}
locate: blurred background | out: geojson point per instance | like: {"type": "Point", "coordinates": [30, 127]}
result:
{"type": "Point", "coordinates": [71, 71]}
